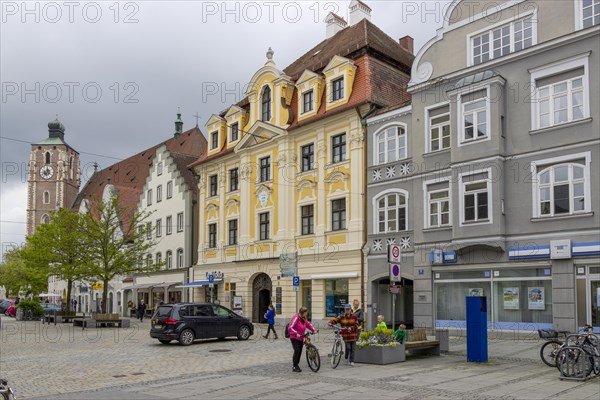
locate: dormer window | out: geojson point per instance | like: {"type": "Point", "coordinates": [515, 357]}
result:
{"type": "Point", "coordinates": [266, 104]}
{"type": "Point", "coordinates": [308, 101]}
{"type": "Point", "coordinates": [214, 140]}
{"type": "Point", "coordinates": [235, 132]}
{"type": "Point", "coordinates": [337, 89]}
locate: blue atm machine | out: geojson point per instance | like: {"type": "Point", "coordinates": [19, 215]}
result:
{"type": "Point", "coordinates": [477, 346]}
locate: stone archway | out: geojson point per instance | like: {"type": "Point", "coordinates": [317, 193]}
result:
{"type": "Point", "coordinates": [262, 288]}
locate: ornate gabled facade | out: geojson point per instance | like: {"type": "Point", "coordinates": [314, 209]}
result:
{"type": "Point", "coordinates": [284, 178]}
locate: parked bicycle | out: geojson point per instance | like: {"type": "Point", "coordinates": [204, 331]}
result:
{"type": "Point", "coordinates": [6, 391]}
{"type": "Point", "coordinates": [312, 353]}
{"type": "Point", "coordinates": [552, 346]}
{"type": "Point", "coordinates": [579, 356]}
{"type": "Point", "coordinates": [337, 350]}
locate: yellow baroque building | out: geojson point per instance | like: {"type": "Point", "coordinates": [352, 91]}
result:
{"type": "Point", "coordinates": [283, 182]}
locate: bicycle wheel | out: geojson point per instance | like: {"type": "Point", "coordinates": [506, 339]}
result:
{"type": "Point", "coordinates": [336, 354]}
{"type": "Point", "coordinates": [312, 358]}
{"type": "Point", "coordinates": [549, 351]}
{"type": "Point", "coordinates": [574, 362]}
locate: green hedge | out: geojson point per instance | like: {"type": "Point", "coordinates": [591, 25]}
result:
{"type": "Point", "coordinates": [37, 311]}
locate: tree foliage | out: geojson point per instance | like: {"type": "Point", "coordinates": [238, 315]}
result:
{"type": "Point", "coordinates": [60, 247]}
{"type": "Point", "coordinates": [20, 276]}
{"type": "Point", "coordinates": [116, 242]}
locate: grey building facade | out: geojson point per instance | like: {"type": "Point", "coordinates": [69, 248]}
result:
{"type": "Point", "coordinates": [503, 156]}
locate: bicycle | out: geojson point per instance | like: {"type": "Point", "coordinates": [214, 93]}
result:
{"type": "Point", "coordinates": [6, 391]}
{"type": "Point", "coordinates": [552, 346]}
{"type": "Point", "coordinates": [312, 353]}
{"type": "Point", "coordinates": [337, 350]}
{"type": "Point", "coordinates": [580, 355]}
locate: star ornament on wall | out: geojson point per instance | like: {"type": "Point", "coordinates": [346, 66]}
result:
{"type": "Point", "coordinates": [405, 243]}
{"type": "Point", "coordinates": [404, 169]}
{"type": "Point", "coordinates": [377, 245]}
{"type": "Point", "coordinates": [377, 175]}
{"type": "Point", "coordinates": [390, 172]}
{"type": "Point", "coordinates": [391, 241]}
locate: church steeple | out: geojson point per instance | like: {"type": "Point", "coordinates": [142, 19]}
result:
{"type": "Point", "coordinates": [178, 124]}
{"type": "Point", "coordinates": [56, 129]}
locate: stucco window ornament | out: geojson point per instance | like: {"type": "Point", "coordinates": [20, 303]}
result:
{"type": "Point", "coordinates": [405, 243]}
{"type": "Point", "coordinates": [377, 175]}
{"type": "Point", "coordinates": [377, 245]}
{"type": "Point", "coordinates": [404, 169]}
{"type": "Point", "coordinates": [391, 241]}
{"type": "Point", "coordinates": [390, 172]}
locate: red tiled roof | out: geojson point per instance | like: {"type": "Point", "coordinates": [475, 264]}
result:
{"type": "Point", "coordinates": [129, 176]}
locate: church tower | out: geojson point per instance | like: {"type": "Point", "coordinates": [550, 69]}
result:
{"type": "Point", "coordinates": [53, 178]}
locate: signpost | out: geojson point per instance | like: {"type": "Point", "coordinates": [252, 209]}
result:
{"type": "Point", "coordinates": [296, 285]}
{"type": "Point", "coordinates": [394, 255]}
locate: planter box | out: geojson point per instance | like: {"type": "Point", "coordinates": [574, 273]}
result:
{"type": "Point", "coordinates": [380, 355]}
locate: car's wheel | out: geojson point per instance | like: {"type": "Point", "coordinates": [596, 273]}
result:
{"type": "Point", "coordinates": [186, 338]}
{"type": "Point", "coordinates": [244, 332]}
{"type": "Point", "coordinates": [164, 341]}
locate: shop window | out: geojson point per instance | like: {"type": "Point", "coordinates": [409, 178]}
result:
{"type": "Point", "coordinates": [522, 301]}
{"type": "Point", "coordinates": [336, 296]}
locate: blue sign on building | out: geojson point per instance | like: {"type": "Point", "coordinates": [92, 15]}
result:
{"type": "Point", "coordinates": [296, 281]}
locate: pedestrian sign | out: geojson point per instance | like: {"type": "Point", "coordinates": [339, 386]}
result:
{"type": "Point", "coordinates": [296, 281]}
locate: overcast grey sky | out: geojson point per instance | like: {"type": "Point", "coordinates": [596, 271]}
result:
{"type": "Point", "coordinates": [115, 72]}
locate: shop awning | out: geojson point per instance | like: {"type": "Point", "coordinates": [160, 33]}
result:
{"type": "Point", "coordinates": [198, 283]}
{"type": "Point", "coordinates": [139, 286]}
{"type": "Point", "coordinates": [165, 284]}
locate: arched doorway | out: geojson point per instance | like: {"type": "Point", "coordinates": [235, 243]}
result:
{"type": "Point", "coordinates": [261, 297]}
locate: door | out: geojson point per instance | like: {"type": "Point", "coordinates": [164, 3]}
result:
{"type": "Point", "coordinates": [204, 321]}
{"type": "Point", "coordinates": [227, 325]}
{"type": "Point", "coordinates": [595, 303]}
{"type": "Point", "coordinates": [264, 299]}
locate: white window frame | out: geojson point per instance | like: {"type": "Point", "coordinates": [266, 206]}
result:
{"type": "Point", "coordinates": [312, 102]}
{"type": "Point", "coordinates": [426, 199]}
{"type": "Point", "coordinates": [180, 222]}
{"type": "Point", "coordinates": [271, 104]}
{"type": "Point", "coordinates": [214, 144]}
{"type": "Point", "coordinates": [269, 225]}
{"type": "Point", "coordinates": [336, 79]}
{"type": "Point", "coordinates": [375, 204]}
{"type": "Point", "coordinates": [237, 237]}
{"type": "Point", "coordinates": [159, 259]}
{"type": "Point", "coordinates": [461, 115]}
{"type": "Point", "coordinates": [179, 258]}
{"type": "Point", "coordinates": [489, 30]}
{"type": "Point", "coordinates": [381, 135]}
{"type": "Point", "coordinates": [148, 230]}
{"type": "Point", "coordinates": [428, 126]}
{"type": "Point", "coordinates": [461, 194]}
{"type": "Point", "coordinates": [158, 193]}
{"type": "Point", "coordinates": [330, 213]}
{"type": "Point", "coordinates": [169, 189]}
{"type": "Point", "coordinates": [169, 258]}
{"type": "Point", "coordinates": [580, 61]}
{"type": "Point", "coordinates": [149, 197]}
{"type": "Point", "coordinates": [169, 225]}
{"type": "Point", "coordinates": [159, 168]}
{"type": "Point", "coordinates": [579, 15]}
{"type": "Point", "coordinates": [237, 124]}
{"type": "Point", "coordinates": [300, 218]}
{"type": "Point", "coordinates": [208, 225]}
{"type": "Point", "coordinates": [158, 227]}
{"type": "Point", "coordinates": [555, 161]}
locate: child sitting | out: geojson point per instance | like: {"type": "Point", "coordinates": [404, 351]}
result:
{"type": "Point", "coordinates": [380, 323]}
{"type": "Point", "coordinates": [400, 334]}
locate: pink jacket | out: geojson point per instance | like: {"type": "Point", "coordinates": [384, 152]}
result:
{"type": "Point", "coordinates": [298, 327]}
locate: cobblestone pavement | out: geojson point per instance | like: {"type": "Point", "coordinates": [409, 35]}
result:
{"type": "Point", "coordinates": [60, 362]}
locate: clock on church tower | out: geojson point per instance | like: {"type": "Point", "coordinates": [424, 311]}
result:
{"type": "Point", "coordinates": [53, 177]}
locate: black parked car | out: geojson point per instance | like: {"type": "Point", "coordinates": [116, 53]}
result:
{"type": "Point", "coordinates": [190, 321]}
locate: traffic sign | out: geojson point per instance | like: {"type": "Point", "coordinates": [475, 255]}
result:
{"type": "Point", "coordinates": [211, 278]}
{"type": "Point", "coordinates": [394, 253]}
{"type": "Point", "coordinates": [394, 289]}
{"type": "Point", "coordinates": [296, 281]}
{"type": "Point", "coordinates": [395, 275]}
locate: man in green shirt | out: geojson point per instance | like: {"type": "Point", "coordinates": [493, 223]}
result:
{"type": "Point", "coordinates": [400, 334]}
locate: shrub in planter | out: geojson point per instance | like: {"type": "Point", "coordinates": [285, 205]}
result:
{"type": "Point", "coordinates": [377, 337]}
{"type": "Point", "coordinates": [31, 307]}
{"type": "Point", "coordinates": [379, 347]}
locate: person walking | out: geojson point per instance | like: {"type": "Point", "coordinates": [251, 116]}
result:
{"type": "Point", "coordinates": [141, 310]}
{"type": "Point", "coordinates": [296, 329]}
{"type": "Point", "coordinates": [75, 305]}
{"type": "Point", "coordinates": [349, 323]}
{"type": "Point", "coordinates": [357, 310]}
{"type": "Point", "coordinates": [270, 317]}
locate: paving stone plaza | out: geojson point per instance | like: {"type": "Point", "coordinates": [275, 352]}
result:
{"type": "Point", "coordinates": [62, 362]}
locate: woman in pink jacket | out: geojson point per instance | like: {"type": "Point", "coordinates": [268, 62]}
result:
{"type": "Point", "coordinates": [297, 327]}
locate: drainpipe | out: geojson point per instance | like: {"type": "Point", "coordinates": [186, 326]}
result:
{"type": "Point", "coordinates": [363, 123]}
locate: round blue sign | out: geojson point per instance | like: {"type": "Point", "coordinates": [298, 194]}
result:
{"type": "Point", "coordinates": [395, 270]}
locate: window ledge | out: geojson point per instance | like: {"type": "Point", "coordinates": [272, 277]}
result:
{"type": "Point", "coordinates": [236, 191]}
{"type": "Point", "coordinates": [478, 222]}
{"type": "Point", "coordinates": [473, 141]}
{"type": "Point", "coordinates": [308, 172]}
{"type": "Point", "coordinates": [560, 126]}
{"type": "Point", "coordinates": [378, 235]}
{"type": "Point", "coordinates": [338, 164]}
{"type": "Point", "coordinates": [306, 236]}
{"type": "Point", "coordinates": [437, 152]}
{"type": "Point", "coordinates": [438, 229]}
{"type": "Point", "coordinates": [393, 163]}
{"type": "Point", "coordinates": [335, 232]}
{"type": "Point", "coordinates": [559, 217]}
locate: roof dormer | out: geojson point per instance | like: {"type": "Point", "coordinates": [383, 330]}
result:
{"type": "Point", "coordinates": [235, 118]}
{"type": "Point", "coordinates": [310, 88]}
{"type": "Point", "coordinates": [216, 128]}
{"type": "Point", "coordinates": [339, 79]}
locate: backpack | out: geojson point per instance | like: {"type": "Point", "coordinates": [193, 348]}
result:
{"type": "Point", "coordinates": [286, 332]}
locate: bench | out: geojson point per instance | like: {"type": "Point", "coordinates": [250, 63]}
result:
{"type": "Point", "coordinates": [417, 342]}
{"type": "Point", "coordinates": [59, 317]}
{"type": "Point", "coordinates": [98, 320]}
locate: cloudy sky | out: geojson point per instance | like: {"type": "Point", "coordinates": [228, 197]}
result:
{"type": "Point", "coordinates": [116, 72]}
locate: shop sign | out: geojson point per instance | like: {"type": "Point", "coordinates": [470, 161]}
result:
{"type": "Point", "coordinates": [215, 275]}
{"type": "Point", "coordinates": [97, 286]}
{"type": "Point", "coordinates": [438, 256]}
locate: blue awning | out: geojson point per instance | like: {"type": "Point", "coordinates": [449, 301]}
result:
{"type": "Point", "coordinates": [199, 283]}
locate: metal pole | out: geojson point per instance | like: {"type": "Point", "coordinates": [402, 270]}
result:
{"type": "Point", "coordinates": [394, 311]}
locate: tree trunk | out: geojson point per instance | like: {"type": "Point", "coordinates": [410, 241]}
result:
{"type": "Point", "coordinates": [69, 286]}
{"type": "Point", "coordinates": [104, 295]}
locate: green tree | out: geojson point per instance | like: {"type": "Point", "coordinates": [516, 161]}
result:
{"type": "Point", "coordinates": [116, 241]}
{"type": "Point", "coordinates": [60, 247]}
{"type": "Point", "coordinates": [20, 276]}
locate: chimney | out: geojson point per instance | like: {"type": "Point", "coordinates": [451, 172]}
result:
{"type": "Point", "coordinates": [406, 44]}
{"type": "Point", "coordinates": [178, 124]}
{"type": "Point", "coordinates": [335, 23]}
{"type": "Point", "coordinates": [359, 11]}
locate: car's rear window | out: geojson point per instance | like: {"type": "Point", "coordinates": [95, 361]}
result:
{"type": "Point", "coordinates": [163, 312]}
